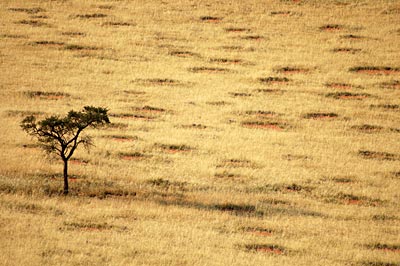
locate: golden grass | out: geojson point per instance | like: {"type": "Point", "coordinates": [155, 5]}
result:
{"type": "Point", "coordinates": [254, 133]}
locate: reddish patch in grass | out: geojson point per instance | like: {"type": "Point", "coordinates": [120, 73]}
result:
{"type": "Point", "coordinates": [270, 250]}
{"type": "Point", "coordinates": [73, 179]}
{"type": "Point", "coordinates": [79, 161]}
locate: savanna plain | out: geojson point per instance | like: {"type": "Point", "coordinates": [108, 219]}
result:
{"type": "Point", "coordinates": [242, 132]}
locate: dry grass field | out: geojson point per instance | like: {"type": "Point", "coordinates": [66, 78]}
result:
{"type": "Point", "coordinates": [243, 132]}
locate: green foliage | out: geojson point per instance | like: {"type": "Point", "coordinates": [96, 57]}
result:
{"type": "Point", "coordinates": [62, 134]}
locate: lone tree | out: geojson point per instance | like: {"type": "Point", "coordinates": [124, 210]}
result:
{"type": "Point", "coordinates": [61, 135]}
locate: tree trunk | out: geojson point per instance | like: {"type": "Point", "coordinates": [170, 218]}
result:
{"type": "Point", "coordinates": [65, 177]}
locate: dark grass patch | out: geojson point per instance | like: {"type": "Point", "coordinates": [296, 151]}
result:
{"type": "Point", "coordinates": [77, 47]}
{"type": "Point", "coordinates": [236, 163]}
{"type": "Point", "coordinates": [39, 17]}
{"type": "Point", "coordinates": [79, 161]}
{"type": "Point", "coordinates": [384, 247]}
{"type": "Point", "coordinates": [195, 126]}
{"type": "Point", "coordinates": [210, 19]}
{"type": "Point", "coordinates": [343, 180]}
{"type": "Point", "coordinates": [261, 114]}
{"type": "Point", "coordinates": [183, 54]}
{"type": "Point", "coordinates": [232, 29]}
{"type": "Point", "coordinates": [133, 92]}
{"type": "Point", "coordinates": [47, 43]}
{"type": "Point", "coordinates": [90, 16]}
{"type": "Point", "coordinates": [33, 23]}
{"type": "Point", "coordinates": [252, 37]}
{"type": "Point", "coordinates": [90, 226]}
{"type": "Point", "coordinates": [395, 130]}
{"type": "Point", "coordinates": [209, 70]}
{"type": "Point", "coordinates": [174, 148]}
{"type": "Point", "coordinates": [226, 61]}
{"type": "Point", "coordinates": [22, 207]}
{"type": "Point", "coordinates": [394, 84]}
{"type": "Point", "coordinates": [157, 81]}
{"type": "Point", "coordinates": [292, 70]}
{"type": "Point", "coordinates": [31, 146]}
{"type": "Point", "coordinates": [218, 103]}
{"type": "Point", "coordinates": [240, 94]}
{"type": "Point", "coordinates": [235, 48]}
{"type": "Point", "coordinates": [351, 199]}
{"type": "Point", "coordinates": [261, 124]}
{"type": "Point", "coordinates": [236, 209]}
{"type": "Point", "coordinates": [395, 174]}
{"type": "Point", "coordinates": [377, 263]}
{"type": "Point", "coordinates": [347, 95]}
{"type": "Point", "coordinates": [331, 27]}
{"type": "Point", "coordinates": [295, 157]}
{"type": "Point", "coordinates": [118, 24]}
{"type": "Point", "coordinates": [293, 187]}
{"type": "Point", "coordinates": [375, 155]}
{"type": "Point", "coordinates": [73, 33]}
{"type": "Point", "coordinates": [226, 174]}
{"type": "Point", "coordinates": [149, 109]}
{"type": "Point", "coordinates": [272, 80]}
{"type": "Point", "coordinates": [266, 248]}
{"type": "Point", "coordinates": [281, 13]}
{"type": "Point", "coordinates": [341, 86]}
{"type": "Point", "coordinates": [383, 217]}
{"type": "Point", "coordinates": [33, 10]}
{"type": "Point", "coordinates": [21, 113]}
{"type": "Point", "coordinates": [132, 116]}
{"type": "Point", "coordinates": [346, 50]}
{"type": "Point", "coordinates": [121, 138]}
{"type": "Point", "coordinates": [352, 37]}
{"type": "Point", "coordinates": [114, 125]}
{"type": "Point", "coordinates": [46, 95]}
{"type": "Point", "coordinates": [366, 128]}
{"type": "Point", "coordinates": [386, 106]}
{"type": "Point", "coordinates": [375, 70]}
{"type": "Point", "coordinates": [320, 116]}
{"type": "Point", "coordinates": [129, 156]}
{"type": "Point", "coordinates": [270, 91]}
{"type": "Point", "coordinates": [13, 36]}
{"type": "Point", "coordinates": [259, 231]}
{"type": "Point", "coordinates": [165, 184]}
